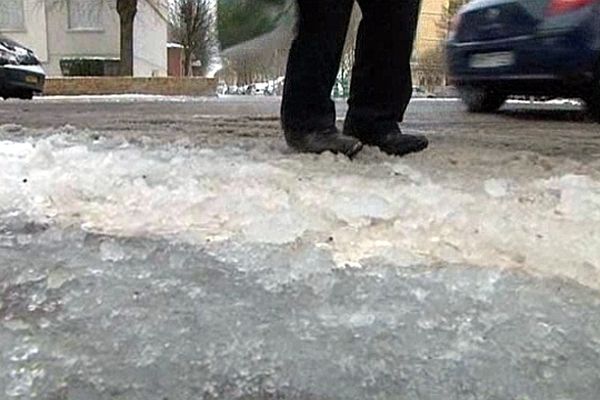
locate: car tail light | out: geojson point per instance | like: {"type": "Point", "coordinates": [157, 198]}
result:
{"type": "Point", "coordinates": [558, 7]}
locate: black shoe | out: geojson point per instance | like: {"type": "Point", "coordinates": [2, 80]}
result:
{"type": "Point", "coordinates": [321, 141]}
{"type": "Point", "coordinates": [389, 139]}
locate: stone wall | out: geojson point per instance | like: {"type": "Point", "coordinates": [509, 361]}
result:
{"type": "Point", "coordinates": [127, 85]}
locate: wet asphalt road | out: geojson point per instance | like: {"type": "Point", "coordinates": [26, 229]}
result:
{"type": "Point", "coordinates": [561, 130]}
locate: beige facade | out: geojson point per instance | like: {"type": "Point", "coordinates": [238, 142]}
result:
{"type": "Point", "coordinates": [429, 34]}
{"type": "Point", "coordinates": [428, 65]}
{"type": "Point", "coordinates": [86, 28]}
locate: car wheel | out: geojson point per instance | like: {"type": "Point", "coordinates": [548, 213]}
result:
{"type": "Point", "coordinates": [481, 100]}
{"type": "Point", "coordinates": [592, 101]}
{"type": "Point", "coordinates": [26, 95]}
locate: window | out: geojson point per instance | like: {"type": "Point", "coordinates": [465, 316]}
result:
{"type": "Point", "coordinates": [85, 14]}
{"type": "Point", "coordinates": [11, 15]}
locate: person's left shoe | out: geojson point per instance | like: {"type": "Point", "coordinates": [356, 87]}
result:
{"type": "Point", "coordinates": [388, 138]}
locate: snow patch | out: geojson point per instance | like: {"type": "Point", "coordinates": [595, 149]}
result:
{"type": "Point", "coordinates": [354, 211]}
{"type": "Point", "coordinates": [121, 98]}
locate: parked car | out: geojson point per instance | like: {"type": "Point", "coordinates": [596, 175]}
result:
{"type": "Point", "coordinates": [21, 74]}
{"type": "Point", "coordinates": [548, 48]}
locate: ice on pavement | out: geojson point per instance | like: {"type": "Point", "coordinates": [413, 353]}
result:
{"type": "Point", "coordinates": [384, 208]}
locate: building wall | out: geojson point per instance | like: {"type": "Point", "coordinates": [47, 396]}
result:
{"type": "Point", "coordinates": [175, 61]}
{"type": "Point", "coordinates": [64, 42]}
{"type": "Point", "coordinates": [33, 34]}
{"type": "Point", "coordinates": [127, 85]}
{"type": "Point", "coordinates": [429, 34]}
{"type": "Point", "coordinates": [428, 70]}
{"type": "Point", "coordinates": [150, 30]}
{"type": "Point", "coordinates": [48, 33]}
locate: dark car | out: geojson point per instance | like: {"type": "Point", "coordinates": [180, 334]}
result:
{"type": "Point", "coordinates": [21, 74]}
{"type": "Point", "coordinates": [546, 48]}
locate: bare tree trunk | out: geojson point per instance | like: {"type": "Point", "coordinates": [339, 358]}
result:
{"type": "Point", "coordinates": [187, 65]}
{"type": "Point", "coordinates": [127, 10]}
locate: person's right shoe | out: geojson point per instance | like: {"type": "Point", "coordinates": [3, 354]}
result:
{"type": "Point", "coordinates": [322, 141]}
{"type": "Point", "coordinates": [388, 139]}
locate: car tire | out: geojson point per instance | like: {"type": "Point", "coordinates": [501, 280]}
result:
{"type": "Point", "coordinates": [25, 95]}
{"type": "Point", "coordinates": [481, 100]}
{"type": "Point", "coordinates": [593, 107]}
{"type": "Point", "coordinates": [592, 100]}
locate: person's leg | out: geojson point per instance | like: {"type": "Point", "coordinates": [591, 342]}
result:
{"type": "Point", "coordinates": [307, 111]}
{"type": "Point", "coordinates": [381, 80]}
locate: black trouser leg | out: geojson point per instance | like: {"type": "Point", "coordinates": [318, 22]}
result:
{"type": "Point", "coordinates": [381, 80]}
{"type": "Point", "coordinates": [314, 63]}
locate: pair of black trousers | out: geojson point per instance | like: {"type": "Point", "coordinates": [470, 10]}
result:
{"type": "Point", "coordinates": [381, 84]}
